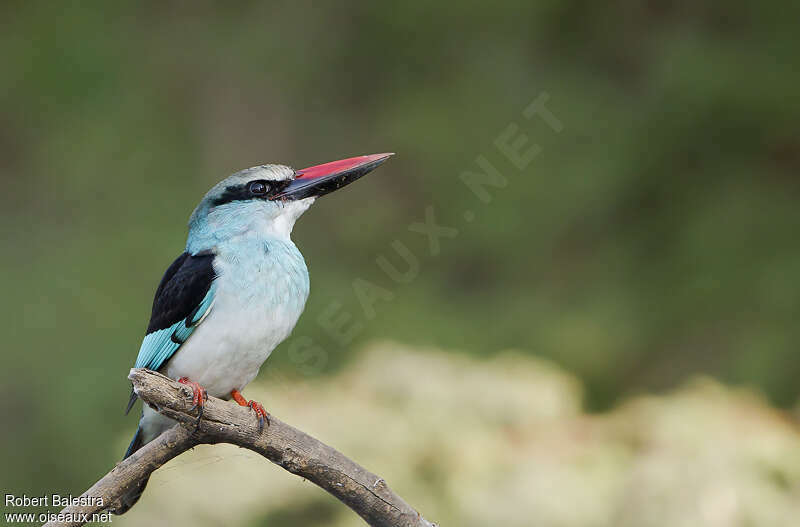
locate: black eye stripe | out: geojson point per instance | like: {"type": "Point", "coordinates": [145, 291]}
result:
{"type": "Point", "coordinates": [244, 192]}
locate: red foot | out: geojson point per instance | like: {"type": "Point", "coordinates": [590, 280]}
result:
{"type": "Point", "coordinates": [199, 396]}
{"type": "Point", "coordinates": [261, 413]}
{"type": "Point", "coordinates": [255, 406]}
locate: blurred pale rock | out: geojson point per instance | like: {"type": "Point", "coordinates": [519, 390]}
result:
{"type": "Point", "coordinates": [502, 441]}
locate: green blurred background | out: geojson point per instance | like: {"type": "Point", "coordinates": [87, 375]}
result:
{"type": "Point", "coordinates": [653, 239]}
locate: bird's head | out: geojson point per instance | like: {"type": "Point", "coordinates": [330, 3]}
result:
{"type": "Point", "coordinates": [268, 199]}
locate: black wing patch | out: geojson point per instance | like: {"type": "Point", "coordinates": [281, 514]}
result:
{"type": "Point", "coordinates": [181, 290]}
{"type": "Point", "coordinates": [179, 296]}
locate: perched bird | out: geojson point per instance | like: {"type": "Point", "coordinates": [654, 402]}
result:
{"type": "Point", "coordinates": [237, 290]}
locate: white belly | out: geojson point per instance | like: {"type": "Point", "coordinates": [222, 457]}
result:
{"type": "Point", "coordinates": [260, 293]}
{"type": "Point", "coordinates": [227, 349]}
{"type": "Point", "coordinates": [225, 352]}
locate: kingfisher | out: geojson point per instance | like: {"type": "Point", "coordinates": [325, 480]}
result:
{"type": "Point", "coordinates": [236, 291]}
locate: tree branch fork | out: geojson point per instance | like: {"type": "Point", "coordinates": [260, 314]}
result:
{"type": "Point", "coordinates": [224, 422]}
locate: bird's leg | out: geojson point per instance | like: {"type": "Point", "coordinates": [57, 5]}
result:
{"type": "Point", "coordinates": [256, 407]}
{"type": "Point", "coordinates": [199, 396]}
{"type": "Point", "coordinates": [239, 398]}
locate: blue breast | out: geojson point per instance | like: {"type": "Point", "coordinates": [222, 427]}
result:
{"type": "Point", "coordinates": [263, 272]}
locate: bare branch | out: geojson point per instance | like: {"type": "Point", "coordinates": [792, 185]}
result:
{"type": "Point", "coordinates": [224, 422]}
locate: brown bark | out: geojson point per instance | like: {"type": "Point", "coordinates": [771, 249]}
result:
{"type": "Point", "coordinates": [226, 422]}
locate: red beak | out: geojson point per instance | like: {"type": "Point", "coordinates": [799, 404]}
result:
{"type": "Point", "coordinates": [321, 179]}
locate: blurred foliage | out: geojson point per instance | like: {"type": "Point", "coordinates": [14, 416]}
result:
{"type": "Point", "coordinates": [518, 452]}
{"type": "Point", "coordinates": [653, 238]}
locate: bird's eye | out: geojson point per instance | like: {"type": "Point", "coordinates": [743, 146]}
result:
{"type": "Point", "coordinates": [258, 188]}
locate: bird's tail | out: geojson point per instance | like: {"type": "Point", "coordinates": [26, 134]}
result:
{"type": "Point", "coordinates": [130, 498]}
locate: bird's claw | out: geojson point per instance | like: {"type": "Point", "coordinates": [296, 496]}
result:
{"type": "Point", "coordinates": [199, 397]}
{"type": "Point", "coordinates": [262, 414]}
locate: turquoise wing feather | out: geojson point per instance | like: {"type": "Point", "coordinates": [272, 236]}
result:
{"type": "Point", "coordinates": [157, 347]}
